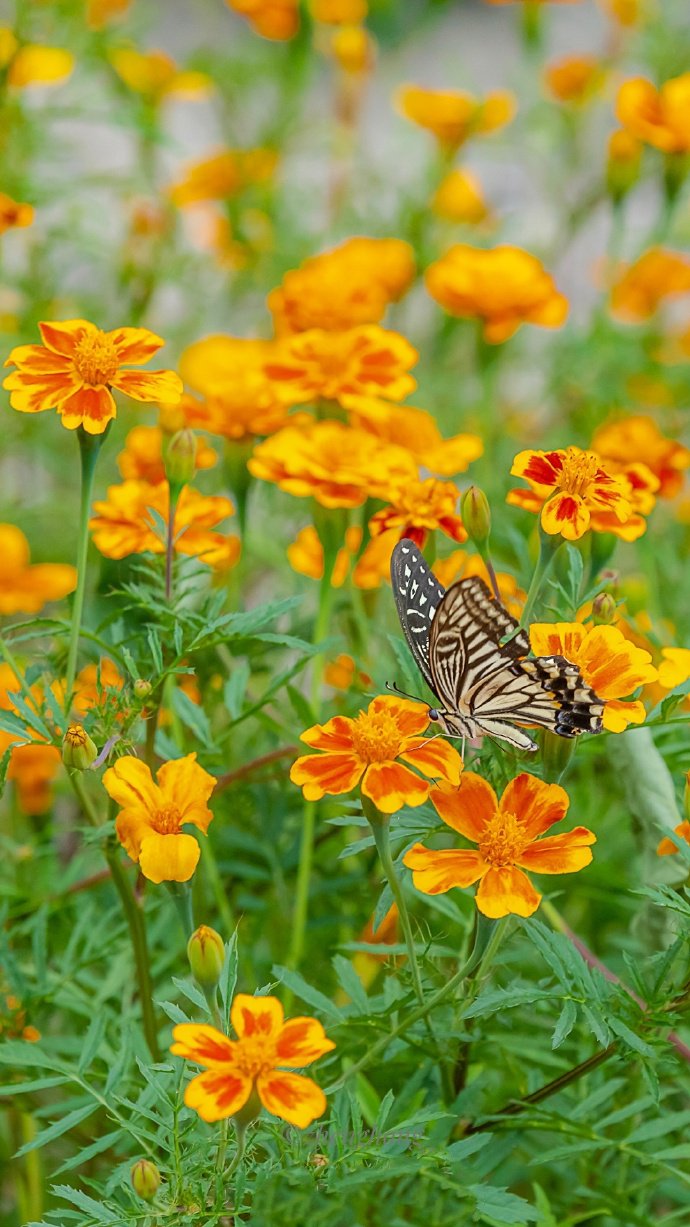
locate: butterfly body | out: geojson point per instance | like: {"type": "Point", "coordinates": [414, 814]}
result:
{"type": "Point", "coordinates": [473, 656]}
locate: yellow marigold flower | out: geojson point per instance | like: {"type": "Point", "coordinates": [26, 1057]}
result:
{"type": "Point", "coordinates": [33, 64]}
{"type": "Point", "coordinates": [667, 847]}
{"type": "Point", "coordinates": [461, 565]}
{"type": "Point", "coordinates": [506, 832]}
{"type": "Point", "coordinates": [122, 523]}
{"type": "Point", "coordinates": [459, 198]}
{"type": "Point", "coordinates": [100, 13]}
{"type": "Point", "coordinates": [305, 554]}
{"type": "Point", "coordinates": [642, 486]}
{"type": "Point", "coordinates": [319, 365]}
{"type": "Point", "coordinates": [367, 750]}
{"type": "Point", "coordinates": [153, 812]}
{"type": "Point", "coordinates": [339, 12]}
{"type": "Point", "coordinates": [419, 507]}
{"type": "Point", "coordinates": [223, 175]}
{"type": "Point", "coordinates": [566, 487]}
{"type": "Point", "coordinates": [348, 285]}
{"type": "Point", "coordinates": [333, 463]}
{"type": "Point", "coordinates": [254, 1063]}
{"type": "Point", "coordinates": [415, 430]}
{"type": "Point", "coordinates": [659, 117]}
{"type": "Point", "coordinates": [24, 587]}
{"type": "Point", "coordinates": [574, 78]}
{"type": "Point", "coordinates": [637, 439]}
{"type": "Point", "coordinates": [454, 116]}
{"type": "Point", "coordinates": [609, 663]}
{"type": "Point", "coordinates": [13, 215]}
{"type": "Point", "coordinates": [342, 673]}
{"type": "Point", "coordinates": [674, 668]}
{"type": "Point", "coordinates": [626, 12]}
{"type": "Point", "coordinates": [8, 45]}
{"type": "Point", "coordinates": [274, 19]}
{"type": "Point", "coordinates": [658, 274]}
{"type": "Point", "coordinates": [353, 49]}
{"type": "Point", "coordinates": [76, 368]}
{"type": "Point", "coordinates": [143, 458]}
{"type": "Point", "coordinates": [502, 286]}
{"type": "Point", "coordinates": [155, 74]}
{"type": "Point", "coordinates": [241, 400]}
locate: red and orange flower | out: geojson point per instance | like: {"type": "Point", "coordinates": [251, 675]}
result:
{"type": "Point", "coordinates": [568, 488]}
{"type": "Point", "coordinates": [636, 439]}
{"type": "Point", "coordinates": [320, 365]}
{"type": "Point", "coordinates": [123, 524]}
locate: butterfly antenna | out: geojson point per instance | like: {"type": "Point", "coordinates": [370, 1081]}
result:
{"type": "Point", "coordinates": [396, 690]}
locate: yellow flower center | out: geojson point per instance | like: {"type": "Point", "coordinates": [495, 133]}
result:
{"type": "Point", "coordinates": [578, 472]}
{"type": "Point", "coordinates": [376, 737]}
{"type": "Point", "coordinates": [96, 358]}
{"type": "Point", "coordinates": [503, 840]}
{"type": "Point", "coordinates": [167, 821]}
{"type": "Point", "coordinates": [254, 1056]}
{"type": "Point", "coordinates": [76, 735]}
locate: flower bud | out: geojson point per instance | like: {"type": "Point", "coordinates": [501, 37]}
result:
{"type": "Point", "coordinates": [603, 609]}
{"type": "Point", "coordinates": [180, 457]}
{"type": "Point", "coordinates": [623, 167]}
{"type": "Point", "coordinates": [206, 954]}
{"type": "Point", "coordinates": [476, 515]}
{"type": "Point", "coordinates": [145, 1178]}
{"type": "Point", "coordinates": [78, 750]}
{"type": "Point", "coordinates": [142, 688]}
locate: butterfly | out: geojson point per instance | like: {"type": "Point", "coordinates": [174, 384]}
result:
{"type": "Point", "coordinates": [473, 656]}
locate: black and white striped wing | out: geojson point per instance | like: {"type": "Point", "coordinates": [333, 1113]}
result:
{"type": "Point", "coordinates": [418, 595]}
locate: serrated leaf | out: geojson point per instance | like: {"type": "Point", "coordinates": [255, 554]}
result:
{"type": "Point", "coordinates": [92, 1041]}
{"type": "Point", "coordinates": [306, 992]}
{"type": "Point", "coordinates": [96, 1209]}
{"type": "Point", "coordinates": [90, 1152]}
{"type": "Point", "coordinates": [228, 977]}
{"type": "Point", "coordinates": [57, 1129]}
{"type": "Point", "coordinates": [565, 1024]}
{"type": "Point", "coordinates": [502, 1206]}
{"type": "Point", "coordinates": [192, 716]}
{"type": "Point", "coordinates": [155, 649]}
{"type": "Point", "coordinates": [236, 687]}
{"type": "Point", "coordinates": [624, 1032]}
{"type": "Point", "coordinates": [351, 983]}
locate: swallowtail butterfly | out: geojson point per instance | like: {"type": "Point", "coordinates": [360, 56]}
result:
{"type": "Point", "coordinates": [484, 684]}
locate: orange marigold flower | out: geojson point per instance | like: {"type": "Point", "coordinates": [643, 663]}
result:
{"type": "Point", "coordinates": [367, 750]}
{"type": "Point", "coordinates": [459, 198]}
{"type": "Point", "coordinates": [254, 1062]}
{"type": "Point", "coordinates": [76, 368]}
{"type": "Point", "coordinates": [643, 287]}
{"type": "Point", "coordinates": [305, 554]}
{"type": "Point", "coordinates": [454, 116]}
{"type": "Point", "coordinates": [342, 673]}
{"type": "Point", "coordinates": [25, 587]}
{"type": "Point", "coordinates": [155, 75]}
{"type": "Point", "coordinates": [609, 663]}
{"type": "Point", "coordinates": [240, 399]}
{"type": "Point", "coordinates": [418, 508]}
{"type": "Point", "coordinates": [415, 430]}
{"type": "Point", "coordinates": [667, 847]}
{"type": "Point", "coordinates": [502, 286]}
{"type": "Point", "coordinates": [13, 215]}
{"type": "Point", "coordinates": [368, 360]}
{"type": "Point", "coordinates": [34, 766]}
{"type": "Point", "coordinates": [566, 487]}
{"type": "Point", "coordinates": [507, 836]}
{"type": "Point", "coordinates": [659, 117]}
{"type": "Point", "coordinates": [335, 464]}
{"type": "Point", "coordinates": [223, 175]}
{"type": "Point", "coordinates": [636, 439]}
{"type": "Point", "coordinates": [574, 78]}
{"type": "Point", "coordinates": [153, 812]}
{"type": "Point", "coordinates": [274, 19]}
{"type": "Point", "coordinates": [460, 565]}
{"type": "Point", "coordinates": [35, 64]}
{"type": "Point", "coordinates": [143, 455]}
{"type": "Point", "coordinates": [348, 285]}
{"type": "Point", "coordinates": [123, 525]}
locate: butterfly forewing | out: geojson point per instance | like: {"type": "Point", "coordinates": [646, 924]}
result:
{"type": "Point", "coordinates": [418, 595]}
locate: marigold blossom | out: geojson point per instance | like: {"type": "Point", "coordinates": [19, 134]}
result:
{"type": "Point", "coordinates": [27, 587]}
{"type": "Point", "coordinates": [143, 456]}
{"type": "Point", "coordinates": [305, 554]}
{"type": "Point", "coordinates": [667, 847]}
{"type": "Point", "coordinates": [637, 439]}
{"type": "Point", "coordinates": [76, 368]}
{"type": "Point", "coordinates": [277, 20]}
{"type": "Point", "coordinates": [122, 523]}
{"type": "Point", "coordinates": [96, 684]}
{"type": "Point", "coordinates": [368, 360]}
{"type": "Point", "coordinates": [453, 116]}
{"type": "Point", "coordinates": [659, 117]}
{"type": "Point", "coordinates": [674, 667]}
{"type": "Point", "coordinates": [416, 430]}
{"type": "Point", "coordinates": [418, 508]}
{"type": "Point", "coordinates": [459, 198]}
{"type": "Point", "coordinates": [153, 812]}
{"type": "Point", "coordinates": [223, 176]}
{"type": "Point", "coordinates": [609, 663]}
{"type": "Point", "coordinates": [367, 751]}
{"type": "Point", "coordinates": [13, 214]}
{"type": "Point", "coordinates": [507, 836]}
{"type": "Point", "coordinates": [502, 286]}
{"type": "Point", "coordinates": [254, 1062]}
{"type": "Point", "coordinates": [36, 64]}
{"type": "Point", "coordinates": [33, 766]}
{"type": "Point", "coordinates": [642, 288]}
{"type": "Point", "coordinates": [574, 78]}
{"type": "Point", "coordinates": [240, 399]}
{"type": "Point", "coordinates": [566, 487]}
{"type": "Point", "coordinates": [156, 75]}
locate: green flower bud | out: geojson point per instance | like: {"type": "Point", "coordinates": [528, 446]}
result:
{"type": "Point", "coordinates": [180, 458]}
{"type": "Point", "coordinates": [603, 609]}
{"type": "Point", "coordinates": [206, 954]}
{"type": "Point", "coordinates": [476, 515]}
{"type": "Point", "coordinates": [78, 750]}
{"type": "Point", "coordinates": [145, 1178]}
{"type": "Point", "coordinates": [142, 688]}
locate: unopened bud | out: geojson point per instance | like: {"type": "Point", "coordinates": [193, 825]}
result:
{"type": "Point", "coordinates": [623, 166]}
{"type": "Point", "coordinates": [603, 609]}
{"type": "Point", "coordinates": [180, 458]}
{"type": "Point", "coordinates": [476, 515]}
{"type": "Point", "coordinates": [78, 750]}
{"type": "Point", "coordinates": [142, 688]}
{"type": "Point", "coordinates": [145, 1178]}
{"type": "Point", "coordinates": [206, 954]}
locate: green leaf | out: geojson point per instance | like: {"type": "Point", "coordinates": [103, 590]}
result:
{"type": "Point", "coordinates": [236, 687]}
{"type": "Point", "coordinates": [501, 1206]}
{"type": "Point", "coordinates": [57, 1129]}
{"type": "Point", "coordinates": [565, 1024]}
{"type": "Point", "coordinates": [351, 983]}
{"type": "Point", "coordinates": [96, 1209]}
{"type": "Point", "coordinates": [92, 1041]}
{"type": "Point", "coordinates": [297, 985]}
{"type": "Point", "coordinates": [192, 716]}
{"type": "Point", "coordinates": [96, 1148]}
{"type": "Point", "coordinates": [620, 1029]}
{"type": "Point", "coordinates": [228, 977]}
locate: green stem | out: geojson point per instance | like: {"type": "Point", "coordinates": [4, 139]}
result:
{"type": "Point", "coordinates": [89, 448]}
{"type": "Point", "coordinates": [137, 933]}
{"type": "Point", "coordinates": [547, 549]}
{"type": "Point", "coordinates": [241, 1134]}
{"type": "Point", "coordinates": [170, 545]}
{"type": "Point", "coordinates": [181, 895]}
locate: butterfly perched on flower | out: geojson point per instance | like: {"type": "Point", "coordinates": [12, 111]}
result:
{"type": "Point", "coordinates": [473, 656]}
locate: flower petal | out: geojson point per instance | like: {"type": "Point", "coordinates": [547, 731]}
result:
{"type": "Point", "coordinates": [217, 1094]}
{"type": "Point", "coordinates": [91, 408]}
{"type": "Point", "coordinates": [202, 1043]}
{"type": "Point", "coordinates": [334, 736]}
{"type": "Point", "coordinates": [557, 639]}
{"type": "Point", "coordinates": [468, 808]}
{"type": "Point", "coordinates": [293, 1098]}
{"type": "Point", "coordinates": [434, 871]}
{"type": "Point", "coordinates": [507, 892]}
{"type": "Point", "coordinates": [64, 335]}
{"type": "Point", "coordinates": [132, 826]}
{"type": "Point", "coordinates": [566, 514]}
{"type": "Point", "coordinates": [564, 853]}
{"type": "Point", "coordinates": [435, 757]}
{"type": "Point", "coordinates": [536, 805]}
{"type": "Point", "coordinates": [164, 386]}
{"type": "Point", "coordinates": [130, 783]}
{"type": "Point", "coordinates": [187, 786]}
{"type": "Point", "coordinates": [391, 786]}
{"type": "Point", "coordinates": [301, 1041]}
{"type": "Point", "coordinates": [618, 714]}
{"type": "Point", "coordinates": [168, 858]}
{"type": "Point", "coordinates": [252, 1016]}
{"type": "Point", "coordinates": [135, 345]}
{"type": "Point", "coordinates": [410, 717]}
{"type": "Point", "coordinates": [318, 774]}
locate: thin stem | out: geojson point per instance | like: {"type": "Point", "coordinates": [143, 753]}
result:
{"type": "Point", "coordinates": [547, 549]}
{"type": "Point", "coordinates": [137, 933]}
{"type": "Point", "coordinates": [89, 448]}
{"type": "Point", "coordinates": [170, 544]}
{"type": "Point", "coordinates": [550, 1088]}
{"type": "Point", "coordinates": [241, 1134]}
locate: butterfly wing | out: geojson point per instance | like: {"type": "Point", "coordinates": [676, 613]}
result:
{"type": "Point", "coordinates": [418, 595]}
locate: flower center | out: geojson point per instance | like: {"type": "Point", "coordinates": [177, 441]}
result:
{"type": "Point", "coordinates": [96, 358]}
{"type": "Point", "coordinates": [503, 840]}
{"type": "Point", "coordinates": [76, 735]}
{"type": "Point", "coordinates": [579, 470]}
{"type": "Point", "coordinates": [167, 821]}
{"type": "Point", "coordinates": [376, 738]}
{"type": "Point", "coordinates": [254, 1056]}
